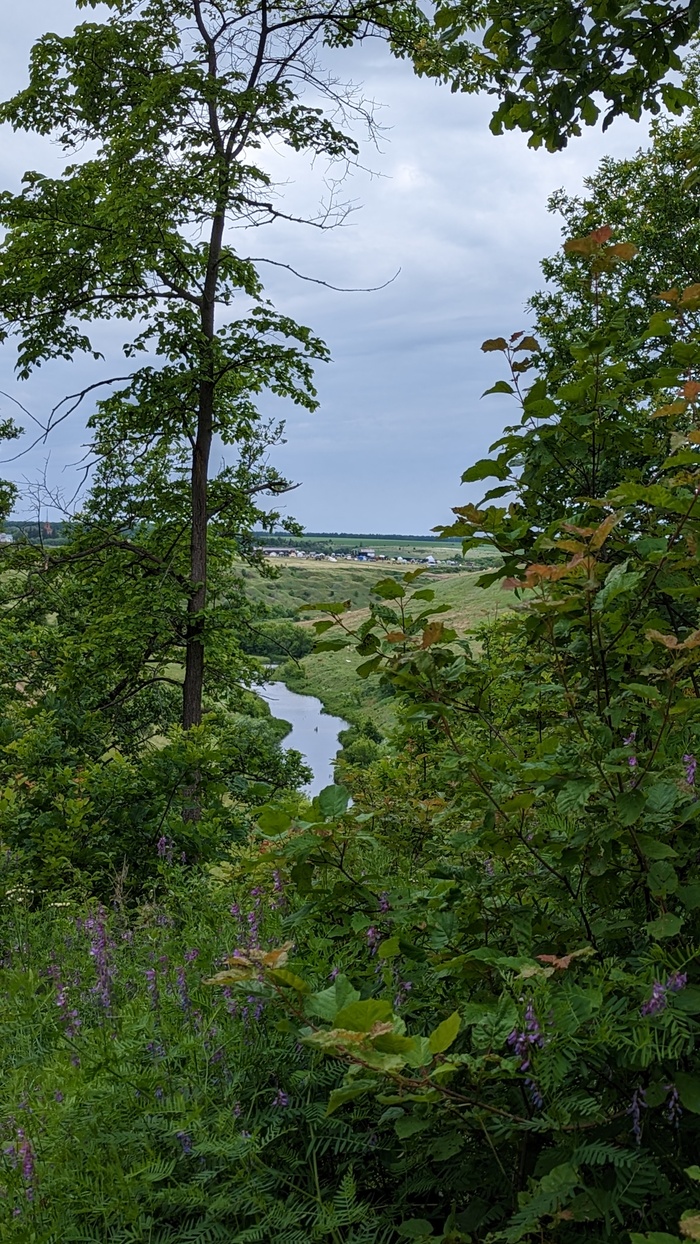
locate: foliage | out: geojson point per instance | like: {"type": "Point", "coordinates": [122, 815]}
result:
{"type": "Point", "coordinates": [558, 65]}
{"type": "Point", "coordinates": [173, 100]}
{"type": "Point", "coordinates": [140, 1106]}
{"type": "Point", "coordinates": [275, 638]}
{"type": "Point", "coordinates": [533, 1013]}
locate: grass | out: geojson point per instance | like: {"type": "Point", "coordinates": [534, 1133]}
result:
{"type": "Point", "coordinates": [307, 582]}
{"type": "Point", "coordinates": [331, 675]}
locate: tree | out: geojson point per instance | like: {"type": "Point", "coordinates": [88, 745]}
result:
{"type": "Point", "coordinates": [557, 64]}
{"type": "Point", "coordinates": [176, 97]}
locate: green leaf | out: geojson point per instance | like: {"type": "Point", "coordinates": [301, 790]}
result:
{"type": "Point", "coordinates": [284, 977]}
{"type": "Point", "coordinates": [501, 386]}
{"type": "Point", "coordinates": [689, 896]}
{"type": "Point", "coordinates": [415, 1228]}
{"type": "Point", "coordinates": [689, 1091]}
{"type": "Point", "coordinates": [441, 1038]}
{"type": "Point", "coordinates": [328, 1002]}
{"type": "Point", "coordinates": [667, 925]}
{"type": "Point", "coordinates": [339, 1097]}
{"type": "Point", "coordinates": [389, 589]}
{"type": "Point", "coordinates": [272, 821]}
{"type": "Point", "coordinates": [662, 798]}
{"type": "Point", "coordinates": [688, 1000]}
{"type": "Point", "coordinates": [409, 1125]}
{"type": "Point", "coordinates": [333, 801]}
{"type": "Point", "coordinates": [362, 1016]}
{"type": "Point", "coordinates": [575, 795]}
{"type": "Point", "coordinates": [388, 948]}
{"type": "Point", "coordinates": [629, 806]}
{"type": "Point", "coordinates": [655, 850]}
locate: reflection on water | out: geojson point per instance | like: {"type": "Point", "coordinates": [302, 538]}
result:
{"type": "Point", "coordinates": [313, 733]}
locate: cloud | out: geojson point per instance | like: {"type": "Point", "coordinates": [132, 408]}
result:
{"type": "Point", "coordinates": [461, 213]}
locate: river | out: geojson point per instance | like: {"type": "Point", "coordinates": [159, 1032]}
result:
{"type": "Point", "coordinates": [313, 732]}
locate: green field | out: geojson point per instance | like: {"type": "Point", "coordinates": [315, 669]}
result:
{"type": "Point", "coordinates": [302, 583]}
{"type": "Point", "coordinates": [331, 675]}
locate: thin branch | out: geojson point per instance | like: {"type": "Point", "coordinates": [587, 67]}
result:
{"type": "Point", "coordinates": [315, 280]}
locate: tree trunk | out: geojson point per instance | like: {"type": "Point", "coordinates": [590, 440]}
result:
{"type": "Point", "coordinates": [194, 636]}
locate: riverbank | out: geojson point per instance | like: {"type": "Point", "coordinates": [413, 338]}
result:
{"type": "Point", "coordinates": [312, 731]}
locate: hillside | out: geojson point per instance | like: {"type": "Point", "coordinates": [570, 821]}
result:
{"type": "Point", "coordinates": [331, 675]}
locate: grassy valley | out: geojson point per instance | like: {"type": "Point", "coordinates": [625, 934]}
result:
{"type": "Point", "coordinates": [331, 675]}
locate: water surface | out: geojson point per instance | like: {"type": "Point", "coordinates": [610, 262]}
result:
{"type": "Point", "coordinates": [313, 732]}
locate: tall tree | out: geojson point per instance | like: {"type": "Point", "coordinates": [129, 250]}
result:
{"type": "Point", "coordinates": [174, 100]}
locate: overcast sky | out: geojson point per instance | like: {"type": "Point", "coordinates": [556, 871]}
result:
{"type": "Point", "coordinates": [460, 212]}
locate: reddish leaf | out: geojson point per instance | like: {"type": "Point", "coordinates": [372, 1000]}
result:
{"type": "Point", "coordinates": [432, 633]}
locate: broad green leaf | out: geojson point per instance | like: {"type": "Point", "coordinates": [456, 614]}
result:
{"type": "Point", "coordinates": [689, 1091]}
{"type": "Point", "coordinates": [629, 806]}
{"type": "Point", "coordinates": [655, 850]}
{"type": "Point", "coordinates": [654, 1237]}
{"type": "Point", "coordinates": [687, 1000]}
{"type": "Point", "coordinates": [273, 821]}
{"type": "Point", "coordinates": [339, 1097]}
{"type": "Point", "coordinates": [362, 1016]}
{"type": "Point", "coordinates": [388, 948]}
{"type": "Point", "coordinates": [667, 925]}
{"type": "Point", "coordinates": [415, 1228]}
{"type": "Point", "coordinates": [333, 801]}
{"type": "Point", "coordinates": [575, 795]}
{"type": "Point", "coordinates": [441, 1038]}
{"type": "Point", "coordinates": [326, 1004]}
{"type": "Point", "coordinates": [284, 977]}
{"type": "Point", "coordinates": [410, 1125]}
{"type": "Point", "coordinates": [388, 589]}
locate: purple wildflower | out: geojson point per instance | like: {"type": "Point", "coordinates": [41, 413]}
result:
{"type": "Point", "coordinates": [402, 993]}
{"type": "Point", "coordinates": [186, 1142]}
{"type": "Point", "coordinates": [488, 868]}
{"type": "Point", "coordinates": [165, 849]}
{"type": "Point", "coordinates": [185, 1003]}
{"type": "Point", "coordinates": [630, 739]}
{"type": "Point", "coordinates": [152, 986]}
{"type": "Point", "coordinates": [231, 1003]}
{"type": "Point", "coordinates": [372, 939]}
{"type": "Point", "coordinates": [26, 1158]}
{"type": "Point", "coordinates": [632, 762]}
{"type": "Point", "coordinates": [656, 1002]}
{"type": "Point", "coordinates": [691, 765]}
{"type": "Point", "coordinates": [673, 1106]}
{"type": "Point", "coordinates": [58, 1095]}
{"type": "Point", "coordinates": [69, 1016]}
{"type": "Point", "coordinates": [677, 981]}
{"type": "Point", "coordinates": [280, 1099]}
{"type": "Point", "coordinates": [100, 947]}
{"type": "Point", "coordinates": [191, 955]}
{"type": "Point", "coordinates": [521, 1043]}
{"type": "Point", "coordinates": [333, 973]}
{"type": "Point", "coordinates": [384, 904]}
{"type": "Point", "coordinates": [634, 1109]}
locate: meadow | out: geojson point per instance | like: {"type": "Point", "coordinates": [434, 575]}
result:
{"type": "Point", "coordinates": [331, 676]}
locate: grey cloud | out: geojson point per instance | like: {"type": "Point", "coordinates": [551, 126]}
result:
{"type": "Point", "coordinates": [461, 213]}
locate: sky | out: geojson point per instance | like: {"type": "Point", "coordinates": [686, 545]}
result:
{"type": "Point", "coordinates": [459, 214]}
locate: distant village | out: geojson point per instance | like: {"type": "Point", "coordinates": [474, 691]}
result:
{"type": "Point", "coordinates": [359, 555]}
